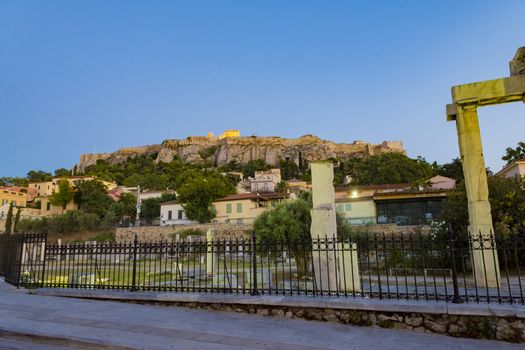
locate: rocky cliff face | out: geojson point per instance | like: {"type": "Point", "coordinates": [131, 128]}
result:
{"type": "Point", "coordinates": [116, 157]}
{"type": "Point", "coordinates": [244, 149]}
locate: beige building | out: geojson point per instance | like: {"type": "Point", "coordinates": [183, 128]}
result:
{"type": "Point", "coordinates": [513, 169]}
{"type": "Point", "coordinates": [47, 209]}
{"type": "Point", "coordinates": [8, 196]}
{"type": "Point", "coordinates": [401, 204]}
{"type": "Point", "coordinates": [245, 207]}
{"type": "Point", "coordinates": [357, 211]}
{"type": "Point", "coordinates": [297, 186]}
{"type": "Point", "coordinates": [47, 188]}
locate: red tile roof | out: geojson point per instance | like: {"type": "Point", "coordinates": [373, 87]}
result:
{"type": "Point", "coordinates": [252, 196]}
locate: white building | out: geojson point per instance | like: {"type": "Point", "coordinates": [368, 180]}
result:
{"type": "Point", "coordinates": [513, 169]}
{"type": "Point", "coordinates": [265, 181]}
{"type": "Point", "coordinates": [172, 213]}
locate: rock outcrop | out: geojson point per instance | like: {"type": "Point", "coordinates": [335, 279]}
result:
{"type": "Point", "coordinates": [116, 157]}
{"type": "Point", "coordinates": [244, 149]}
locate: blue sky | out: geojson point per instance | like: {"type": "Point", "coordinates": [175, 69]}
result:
{"type": "Point", "coordinates": [79, 75]}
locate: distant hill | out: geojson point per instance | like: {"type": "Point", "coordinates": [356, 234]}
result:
{"type": "Point", "coordinates": [221, 151]}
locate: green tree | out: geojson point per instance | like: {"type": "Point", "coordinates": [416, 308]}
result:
{"type": "Point", "coordinates": [9, 219]}
{"type": "Point", "coordinates": [453, 170]}
{"type": "Point", "coordinates": [290, 222]}
{"type": "Point", "coordinates": [282, 187]}
{"type": "Point", "coordinates": [150, 208]}
{"type": "Point", "coordinates": [289, 170]}
{"type": "Point", "coordinates": [91, 197]}
{"type": "Point", "coordinates": [63, 196]}
{"type": "Point", "coordinates": [17, 219]}
{"type": "Point", "coordinates": [62, 172]}
{"type": "Point", "coordinates": [39, 176]}
{"type": "Point", "coordinates": [388, 168]}
{"type": "Point", "coordinates": [198, 193]}
{"type": "Point", "coordinates": [14, 181]}
{"type": "Point", "coordinates": [252, 166]}
{"type": "Point", "coordinates": [514, 154]}
{"type": "Point", "coordinates": [126, 206]}
{"type": "Point", "coordinates": [507, 201]}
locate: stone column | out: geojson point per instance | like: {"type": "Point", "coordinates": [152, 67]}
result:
{"type": "Point", "coordinates": [335, 268]}
{"type": "Point", "coordinates": [485, 262]}
{"type": "Point", "coordinates": [211, 265]}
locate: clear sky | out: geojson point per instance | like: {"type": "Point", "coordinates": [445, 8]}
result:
{"type": "Point", "coordinates": [79, 75]}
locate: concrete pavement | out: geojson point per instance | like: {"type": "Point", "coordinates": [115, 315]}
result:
{"type": "Point", "coordinates": [102, 324]}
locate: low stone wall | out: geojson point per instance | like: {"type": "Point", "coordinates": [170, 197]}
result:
{"type": "Point", "coordinates": [391, 229]}
{"type": "Point", "coordinates": [166, 233]}
{"type": "Point", "coordinates": [498, 328]}
{"type": "Point", "coordinates": [486, 321]}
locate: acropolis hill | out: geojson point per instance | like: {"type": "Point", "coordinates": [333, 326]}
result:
{"type": "Point", "coordinates": [230, 146]}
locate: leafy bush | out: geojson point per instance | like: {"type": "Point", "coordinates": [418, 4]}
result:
{"type": "Point", "coordinates": [71, 221]}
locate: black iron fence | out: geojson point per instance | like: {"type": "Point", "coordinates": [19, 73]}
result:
{"type": "Point", "coordinates": [412, 267]}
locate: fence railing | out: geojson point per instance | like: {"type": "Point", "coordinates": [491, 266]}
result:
{"type": "Point", "coordinates": [411, 267]}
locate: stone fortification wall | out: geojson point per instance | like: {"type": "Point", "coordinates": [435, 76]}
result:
{"type": "Point", "coordinates": [166, 233]}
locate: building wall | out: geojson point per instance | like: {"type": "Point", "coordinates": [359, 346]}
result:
{"type": "Point", "coordinates": [358, 211]}
{"type": "Point", "coordinates": [228, 211]}
{"type": "Point", "coordinates": [47, 209]}
{"type": "Point", "coordinates": [175, 219]}
{"type": "Point", "coordinates": [18, 199]}
{"type": "Point", "coordinates": [516, 169]}
{"type": "Point", "coordinates": [47, 188]}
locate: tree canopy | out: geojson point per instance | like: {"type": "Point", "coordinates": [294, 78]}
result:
{"type": "Point", "coordinates": [507, 201]}
{"type": "Point", "coordinates": [387, 168]}
{"type": "Point", "coordinates": [64, 194]}
{"type": "Point", "coordinates": [38, 176]}
{"type": "Point", "coordinates": [91, 197]}
{"type": "Point", "coordinates": [514, 154]}
{"type": "Point", "coordinates": [199, 191]}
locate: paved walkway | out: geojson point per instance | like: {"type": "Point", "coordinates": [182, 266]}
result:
{"type": "Point", "coordinates": [114, 325]}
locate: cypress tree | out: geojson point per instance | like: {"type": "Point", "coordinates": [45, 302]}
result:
{"type": "Point", "coordinates": [17, 219]}
{"type": "Point", "coordinates": [9, 219]}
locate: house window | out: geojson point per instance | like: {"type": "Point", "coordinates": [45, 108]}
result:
{"type": "Point", "coordinates": [348, 207]}
{"type": "Point", "coordinates": [179, 214]}
{"type": "Point", "coordinates": [228, 208]}
{"type": "Point", "coordinates": [4, 201]}
{"type": "Point", "coordinates": [340, 207]}
{"type": "Point", "coordinates": [48, 206]}
{"type": "Point", "coordinates": [170, 215]}
{"type": "Point", "coordinates": [14, 203]}
{"type": "Point", "coordinates": [239, 207]}
{"type": "Point", "coordinates": [239, 221]}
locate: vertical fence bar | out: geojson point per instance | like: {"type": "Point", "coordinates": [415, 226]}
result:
{"type": "Point", "coordinates": [255, 291]}
{"type": "Point", "coordinates": [456, 299]}
{"type": "Point", "coordinates": [133, 277]}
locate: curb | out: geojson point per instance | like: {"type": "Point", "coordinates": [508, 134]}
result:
{"type": "Point", "coordinates": [67, 342]}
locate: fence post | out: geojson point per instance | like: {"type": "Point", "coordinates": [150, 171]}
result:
{"type": "Point", "coordinates": [255, 290]}
{"type": "Point", "coordinates": [456, 299]}
{"type": "Point", "coordinates": [43, 257]}
{"type": "Point", "coordinates": [134, 281]}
